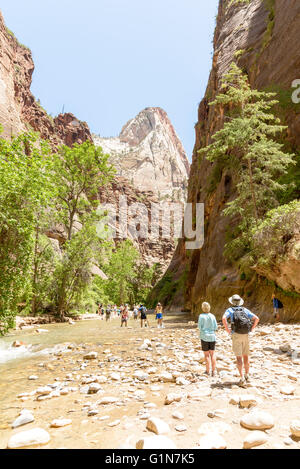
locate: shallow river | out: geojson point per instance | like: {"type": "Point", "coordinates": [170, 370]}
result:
{"type": "Point", "coordinates": [46, 355]}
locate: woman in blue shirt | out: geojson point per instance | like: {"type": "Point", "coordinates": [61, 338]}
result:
{"type": "Point", "coordinates": [207, 324]}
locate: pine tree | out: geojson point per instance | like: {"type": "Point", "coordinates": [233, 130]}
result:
{"type": "Point", "coordinates": [246, 142]}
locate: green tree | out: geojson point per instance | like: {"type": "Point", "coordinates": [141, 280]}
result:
{"type": "Point", "coordinates": [79, 173]}
{"type": "Point", "coordinates": [121, 272]}
{"type": "Point", "coordinates": [246, 142]}
{"type": "Point", "coordinates": [26, 187]}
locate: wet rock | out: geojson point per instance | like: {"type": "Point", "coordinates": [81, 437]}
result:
{"type": "Point", "coordinates": [157, 426]}
{"type": "Point", "coordinates": [254, 439]}
{"type": "Point", "coordinates": [34, 437]}
{"type": "Point", "coordinates": [155, 442]}
{"type": "Point", "coordinates": [257, 420]}
{"type": "Point", "coordinates": [17, 343]}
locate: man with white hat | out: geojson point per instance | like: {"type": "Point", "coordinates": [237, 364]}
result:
{"type": "Point", "coordinates": [242, 323]}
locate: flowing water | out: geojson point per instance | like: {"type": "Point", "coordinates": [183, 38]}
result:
{"type": "Point", "coordinates": [47, 355]}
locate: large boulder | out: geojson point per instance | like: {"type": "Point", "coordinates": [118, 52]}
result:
{"type": "Point", "coordinates": [34, 437]}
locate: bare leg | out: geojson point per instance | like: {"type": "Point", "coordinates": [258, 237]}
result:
{"type": "Point", "coordinates": [207, 361]}
{"type": "Point", "coordinates": [239, 362]}
{"type": "Point", "coordinates": [213, 360]}
{"type": "Point", "coordinates": [246, 364]}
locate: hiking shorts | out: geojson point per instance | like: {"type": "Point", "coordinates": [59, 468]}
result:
{"type": "Point", "coordinates": [240, 344]}
{"type": "Point", "coordinates": [206, 346]}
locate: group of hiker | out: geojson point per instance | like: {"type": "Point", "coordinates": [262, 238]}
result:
{"type": "Point", "coordinates": [139, 312]}
{"type": "Point", "coordinates": [242, 323]}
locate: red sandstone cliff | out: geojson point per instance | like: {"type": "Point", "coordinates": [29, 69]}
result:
{"type": "Point", "coordinates": [18, 107]}
{"type": "Point", "coordinates": [263, 37]}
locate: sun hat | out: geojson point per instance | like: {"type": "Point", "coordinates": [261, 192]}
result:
{"type": "Point", "coordinates": [236, 300]}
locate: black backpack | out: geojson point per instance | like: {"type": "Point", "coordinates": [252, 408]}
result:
{"type": "Point", "coordinates": [280, 305]}
{"type": "Point", "coordinates": [241, 324]}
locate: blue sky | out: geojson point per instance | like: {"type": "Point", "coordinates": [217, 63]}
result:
{"type": "Point", "coordinates": [106, 60]}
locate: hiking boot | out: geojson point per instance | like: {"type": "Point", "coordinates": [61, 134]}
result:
{"type": "Point", "coordinates": [242, 383]}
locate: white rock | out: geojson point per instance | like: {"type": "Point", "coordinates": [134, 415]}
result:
{"type": "Point", "coordinates": [257, 420]}
{"type": "Point", "coordinates": [114, 424]}
{"type": "Point", "coordinates": [181, 428]}
{"type": "Point", "coordinates": [91, 356]}
{"type": "Point", "coordinates": [101, 379]}
{"type": "Point", "coordinates": [247, 401]}
{"type": "Point", "coordinates": [214, 427]}
{"type": "Point", "coordinates": [43, 391]}
{"type": "Point", "coordinates": [94, 388]}
{"type": "Point", "coordinates": [212, 441]}
{"type": "Point", "coordinates": [108, 400]}
{"type": "Point", "coordinates": [295, 428]}
{"type": "Point", "coordinates": [157, 426]}
{"type": "Point", "coordinates": [140, 375]}
{"type": "Point", "coordinates": [23, 419]}
{"type": "Point", "coordinates": [172, 398]}
{"type": "Point", "coordinates": [178, 415]}
{"type": "Point", "coordinates": [34, 437]}
{"type": "Point", "coordinates": [115, 376]}
{"type": "Point", "coordinates": [155, 442]}
{"type": "Point", "coordinates": [255, 438]}
{"type": "Point", "coordinates": [58, 423]}
{"type": "Point", "coordinates": [33, 377]}
{"type": "Point", "coordinates": [166, 377]}
{"type": "Point", "coordinates": [182, 381]}
{"type": "Point", "coordinates": [287, 390]}
{"type": "Point", "coordinates": [200, 394]}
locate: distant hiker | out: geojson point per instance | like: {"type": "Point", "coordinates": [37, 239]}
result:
{"type": "Point", "coordinates": [207, 325]}
{"type": "Point", "coordinates": [277, 305]}
{"type": "Point", "coordinates": [143, 315]}
{"type": "Point", "coordinates": [159, 315]}
{"type": "Point", "coordinates": [242, 323]}
{"type": "Point", "coordinates": [108, 313]}
{"type": "Point", "coordinates": [99, 309]}
{"type": "Point", "coordinates": [124, 316]}
{"type": "Point", "coordinates": [135, 313]}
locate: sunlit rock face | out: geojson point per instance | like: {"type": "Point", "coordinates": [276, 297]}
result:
{"type": "Point", "coordinates": [150, 155]}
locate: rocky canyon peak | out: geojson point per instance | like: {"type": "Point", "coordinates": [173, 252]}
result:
{"type": "Point", "coordinates": [150, 155]}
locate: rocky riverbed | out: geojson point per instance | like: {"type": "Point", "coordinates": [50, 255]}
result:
{"type": "Point", "coordinates": [147, 389]}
